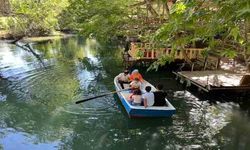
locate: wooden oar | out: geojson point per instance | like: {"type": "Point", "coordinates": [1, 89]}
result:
{"type": "Point", "coordinates": [87, 99]}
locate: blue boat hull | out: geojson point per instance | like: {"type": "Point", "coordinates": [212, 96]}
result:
{"type": "Point", "coordinates": [132, 111]}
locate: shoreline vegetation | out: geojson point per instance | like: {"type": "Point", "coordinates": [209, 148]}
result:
{"type": "Point", "coordinates": [6, 35]}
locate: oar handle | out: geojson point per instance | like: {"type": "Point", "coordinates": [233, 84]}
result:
{"type": "Point", "coordinates": [87, 99]}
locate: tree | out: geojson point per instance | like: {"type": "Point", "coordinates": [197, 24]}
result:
{"type": "Point", "coordinates": [110, 18]}
{"type": "Point", "coordinates": [223, 25]}
{"type": "Point", "coordinates": [33, 18]}
{"type": "Point", "coordinates": [100, 18]}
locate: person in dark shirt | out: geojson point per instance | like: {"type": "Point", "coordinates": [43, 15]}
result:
{"type": "Point", "coordinates": [160, 96]}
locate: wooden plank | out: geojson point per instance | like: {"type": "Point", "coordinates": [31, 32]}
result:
{"type": "Point", "coordinates": [192, 82]}
{"type": "Point", "coordinates": [215, 78]}
{"type": "Point", "coordinates": [226, 80]}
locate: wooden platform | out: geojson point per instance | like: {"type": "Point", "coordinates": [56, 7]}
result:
{"type": "Point", "coordinates": [214, 80]}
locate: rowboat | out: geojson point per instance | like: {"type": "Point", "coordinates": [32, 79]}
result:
{"type": "Point", "coordinates": [141, 111]}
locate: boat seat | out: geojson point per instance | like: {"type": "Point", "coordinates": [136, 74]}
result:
{"type": "Point", "coordinates": [126, 94]}
{"type": "Point", "coordinates": [126, 85]}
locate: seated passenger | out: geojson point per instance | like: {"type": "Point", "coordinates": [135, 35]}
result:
{"type": "Point", "coordinates": [123, 78]}
{"type": "Point", "coordinates": [159, 96]}
{"type": "Point", "coordinates": [148, 97]}
{"type": "Point", "coordinates": [135, 84]}
{"type": "Point", "coordinates": [136, 74]}
{"type": "Point", "coordinates": [135, 98]}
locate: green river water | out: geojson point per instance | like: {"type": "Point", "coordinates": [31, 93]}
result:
{"type": "Point", "coordinates": [37, 109]}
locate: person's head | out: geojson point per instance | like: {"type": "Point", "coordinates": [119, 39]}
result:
{"type": "Point", "coordinates": [135, 71]}
{"type": "Point", "coordinates": [137, 92]}
{"type": "Point", "coordinates": [159, 86]}
{"type": "Point", "coordinates": [126, 71]}
{"type": "Point", "coordinates": [137, 79]}
{"type": "Point", "coordinates": [148, 88]}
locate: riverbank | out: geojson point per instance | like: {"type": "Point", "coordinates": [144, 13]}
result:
{"type": "Point", "coordinates": [6, 35]}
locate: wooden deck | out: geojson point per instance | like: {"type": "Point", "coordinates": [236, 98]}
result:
{"type": "Point", "coordinates": [214, 80]}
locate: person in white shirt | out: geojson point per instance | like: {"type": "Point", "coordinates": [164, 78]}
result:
{"type": "Point", "coordinates": [148, 97]}
{"type": "Point", "coordinates": [124, 78]}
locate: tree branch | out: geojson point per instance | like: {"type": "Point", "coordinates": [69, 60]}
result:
{"type": "Point", "coordinates": [28, 48]}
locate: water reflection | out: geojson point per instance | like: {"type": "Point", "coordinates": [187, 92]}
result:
{"type": "Point", "coordinates": [236, 133]}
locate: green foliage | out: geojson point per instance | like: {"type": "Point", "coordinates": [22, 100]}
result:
{"type": "Point", "coordinates": [139, 53]}
{"type": "Point", "coordinates": [35, 17]}
{"type": "Point", "coordinates": [160, 62]}
{"type": "Point", "coordinates": [219, 24]}
{"type": "Point", "coordinates": [3, 23]}
{"type": "Point", "coordinates": [234, 32]}
{"type": "Point", "coordinates": [103, 19]}
{"type": "Point", "coordinates": [229, 53]}
{"type": "Point", "coordinates": [205, 52]}
{"type": "Point", "coordinates": [179, 8]}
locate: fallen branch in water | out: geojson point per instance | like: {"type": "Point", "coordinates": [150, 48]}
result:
{"type": "Point", "coordinates": [28, 48]}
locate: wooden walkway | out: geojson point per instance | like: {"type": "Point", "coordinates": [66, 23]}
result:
{"type": "Point", "coordinates": [215, 80]}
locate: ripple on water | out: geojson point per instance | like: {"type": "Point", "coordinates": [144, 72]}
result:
{"type": "Point", "coordinates": [91, 109]}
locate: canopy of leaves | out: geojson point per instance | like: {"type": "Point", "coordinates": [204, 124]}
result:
{"type": "Point", "coordinates": [35, 17]}
{"type": "Point", "coordinates": [223, 25]}
{"type": "Point", "coordinates": [100, 18]}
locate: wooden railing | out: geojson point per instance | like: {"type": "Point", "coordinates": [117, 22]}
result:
{"type": "Point", "coordinates": [149, 51]}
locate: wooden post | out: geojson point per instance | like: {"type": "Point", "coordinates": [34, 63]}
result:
{"type": "Point", "coordinates": [208, 80]}
{"type": "Point", "coordinates": [205, 63]}
{"type": "Point", "coordinates": [218, 63]}
{"type": "Point", "coordinates": [233, 64]}
{"type": "Point", "coordinates": [192, 67]}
